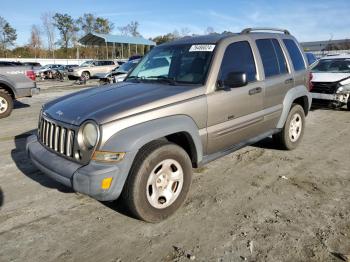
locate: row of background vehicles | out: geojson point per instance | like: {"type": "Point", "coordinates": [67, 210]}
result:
{"type": "Point", "coordinates": [18, 79]}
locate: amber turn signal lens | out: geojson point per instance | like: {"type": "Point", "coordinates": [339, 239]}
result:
{"type": "Point", "coordinates": [106, 183]}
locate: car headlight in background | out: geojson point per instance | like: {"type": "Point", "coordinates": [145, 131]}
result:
{"type": "Point", "coordinates": [89, 135]}
{"type": "Point", "coordinates": [345, 89]}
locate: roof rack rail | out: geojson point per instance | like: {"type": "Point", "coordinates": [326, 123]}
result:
{"type": "Point", "coordinates": [249, 30]}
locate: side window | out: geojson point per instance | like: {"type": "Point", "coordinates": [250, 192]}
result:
{"type": "Point", "coordinates": [238, 57]}
{"type": "Point", "coordinates": [272, 57]}
{"type": "Point", "coordinates": [295, 54]}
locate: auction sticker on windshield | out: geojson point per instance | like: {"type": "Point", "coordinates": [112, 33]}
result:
{"type": "Point", "coordinates": [202, 48]}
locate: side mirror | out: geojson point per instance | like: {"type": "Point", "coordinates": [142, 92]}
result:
{"type": "Point", "coordinates": [234, 79]}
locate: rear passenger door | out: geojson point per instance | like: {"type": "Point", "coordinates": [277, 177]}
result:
{"type": "Point", "coordinates": [278, 79]}
{"type": "Point", "coordinates": [235, 114]}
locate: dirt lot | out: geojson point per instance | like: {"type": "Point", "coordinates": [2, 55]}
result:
{"type": "Point", "coordinates": [257, 204]}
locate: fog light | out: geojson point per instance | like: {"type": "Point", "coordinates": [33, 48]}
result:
{"type": "Point", "coordinates": [106, 156]}
{"type": "Point", "coordinates": [106, 183]}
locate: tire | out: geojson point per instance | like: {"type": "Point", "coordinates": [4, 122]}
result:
{"type": "Point", "coordinates": [86, 75]}
{"type": "Point", "coordinates": [152, 195]}
{"type": "Point", "coordinates": [6, 103]}
{"type": "Point", "coordinates": [290, 136]}
{"type": "Point", "coordinates": [348, 104]}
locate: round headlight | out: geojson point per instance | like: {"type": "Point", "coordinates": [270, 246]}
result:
{"type": "Point", "coordinates": [90, 135]}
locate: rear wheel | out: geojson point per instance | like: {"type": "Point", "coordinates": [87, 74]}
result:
{"type": "Point", "coordinates": [158, 182]}
{"type": "Point", "coordinates": [6, 103]}
{"type": "Point", "coordinates": [293, 130]}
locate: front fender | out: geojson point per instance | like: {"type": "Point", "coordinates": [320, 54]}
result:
{"type": "Point", "coordinates": [131, 139]}
{"type": "Point", "coordinates": [291, 96]}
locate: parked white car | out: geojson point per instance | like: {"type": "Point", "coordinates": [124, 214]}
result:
{"type": "Point", "coordinates": [331, 81]}
{"type": "Point", "coordinates": [89, 69]}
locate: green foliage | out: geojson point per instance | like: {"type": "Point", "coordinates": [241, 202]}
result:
{"type": "Point", "coordinates": [8, 35]}
{"type": "Point", "coordinates": [165, 38]}
{"type": "Point", "coordinates": [103, 26]}
{"type": "Point", "coordinates": [66, 26]}
{"type": "Point", "coordinates": [89, 23]}
{"type": "Point", "coordinates": [131, 29]}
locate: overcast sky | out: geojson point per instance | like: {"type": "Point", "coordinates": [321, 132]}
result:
{"type": "Point", "coordinates": [308, 20]}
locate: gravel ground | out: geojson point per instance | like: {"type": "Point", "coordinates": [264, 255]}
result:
{"type": "Point", "coordinates": [257, 204]}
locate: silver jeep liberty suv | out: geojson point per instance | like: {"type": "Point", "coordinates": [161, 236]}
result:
{"type": "Point", "coordinates": [186, 103]}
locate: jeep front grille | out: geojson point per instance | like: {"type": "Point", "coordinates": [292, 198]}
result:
{"type": "Point", "coordinates": [56, 137]}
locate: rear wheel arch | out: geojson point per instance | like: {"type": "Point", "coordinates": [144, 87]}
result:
{"type": "Point", "coordinates": [7, 89]}
{"type": "Point", "coordinates": [303, 102]}
{"type": "Point", "coordinates": [297, 95]}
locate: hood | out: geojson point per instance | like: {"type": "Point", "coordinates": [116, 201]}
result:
{"type": "Point", "coordinates": [329, 77]}
{"type": "Point", "coordinates": [111, 102]}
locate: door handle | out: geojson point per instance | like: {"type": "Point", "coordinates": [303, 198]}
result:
{"type": "Point", "coordinates": [255, 91]}
{"type": "Point", "coordinates": [288, 81]}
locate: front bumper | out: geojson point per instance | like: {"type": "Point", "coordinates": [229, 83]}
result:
{"type": "Point", "coordinates": [83, 179]}
{"type": "Point", "coordinates": [323, 96]}
{"type": "Point", "coordinates": [341, 98]}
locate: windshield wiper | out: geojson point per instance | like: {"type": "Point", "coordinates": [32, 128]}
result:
{"type": "Point", "coordinates": [169, 80]}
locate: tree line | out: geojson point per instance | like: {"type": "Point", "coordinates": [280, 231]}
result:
{"type": "Point", "coordinates": [58, 34]}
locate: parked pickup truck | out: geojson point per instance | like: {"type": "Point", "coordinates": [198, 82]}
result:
{"type": "Point", "coordinates": [185, 104]}
{"type": "Point", "coordinates": [15, 82]}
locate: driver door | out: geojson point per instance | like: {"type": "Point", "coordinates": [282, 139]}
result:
{"type": "Point", "coordinates": [235, 114]}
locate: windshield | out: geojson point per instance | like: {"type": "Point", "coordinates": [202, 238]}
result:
{"type": "Point", "coordinates": [127, 66]}
{"type": "Point", "coordinates": [186, 63]}
{"type": "Point", "coordinates": [87, 63]}
{"type": "Point", "coordinates": [332, 66]}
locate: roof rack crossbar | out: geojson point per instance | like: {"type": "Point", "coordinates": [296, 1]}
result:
{"type": "Point", "coordinates": [249, 30]}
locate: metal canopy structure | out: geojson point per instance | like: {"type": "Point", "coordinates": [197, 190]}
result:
{"type": "Point", "coordinates": [94, 39]}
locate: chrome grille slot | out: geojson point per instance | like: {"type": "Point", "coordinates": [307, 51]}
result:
{"type": "Point", "coordinates": [57, 137]}
{"type": "Point", "coordinates": [62, 140]}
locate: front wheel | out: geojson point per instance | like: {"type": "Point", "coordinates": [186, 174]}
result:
{"type": "Point", "coordinates": [85, 75]}
{"type": "Point", "coordinates": [293, 130]}
{"type": "Point", "coordinates": [158, 182]}
{"type": "Point", "coordinates": [6, 104]}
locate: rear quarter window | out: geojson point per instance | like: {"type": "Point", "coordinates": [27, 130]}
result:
{"type": "Point", "coordinates": [295, 54]}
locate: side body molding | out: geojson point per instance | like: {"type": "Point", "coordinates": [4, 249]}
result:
{"type": "Point", "coordinates": [292, 94]}
{"type": "Point", "coordinates": [131, 139]}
